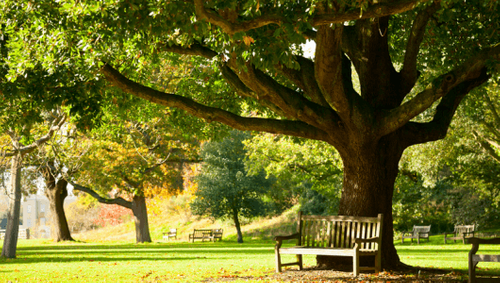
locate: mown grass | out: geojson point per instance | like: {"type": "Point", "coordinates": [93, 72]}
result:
{"type": "Point", "coordinates": [121, 262]}
{"type": "Point", "coordinates": [451, 256]}
{"type": "Point", "coordinates": [178, 261]}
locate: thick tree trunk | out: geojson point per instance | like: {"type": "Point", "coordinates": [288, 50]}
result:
{"type": "Point", "coordinates": [238, 226]}
{"type": "Point", "coordinates": [369, 176]}
{"type": "Point", "coordinates": [12, 231]}
{"type": "Point", "coordinates": [56, 193]}
{"type": "Point", "coordinates": [140, 212]}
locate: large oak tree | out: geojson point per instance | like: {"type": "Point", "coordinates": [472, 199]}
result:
{"type": "Point", "coordinates": [415, 61]}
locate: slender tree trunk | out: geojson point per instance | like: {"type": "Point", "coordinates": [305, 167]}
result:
{"type": "Point", "coordinates": [238, 226]}
{"type": "Point", "coordinates": [12, 231]}
{"type": "Point", "coordinates": [140, 212]}
{"type": "Point", "coordinates": [369, 176]}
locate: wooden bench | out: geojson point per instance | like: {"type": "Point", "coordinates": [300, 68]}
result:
{"type": "Point", "coordinates": [474, 259]}
{"type": "Point", "coordinates": [334, 236]}
{"type": "Point", "coordinates": [172, 233]}
{"type": "Point", "coordinates": [461, 232]}
{"type": "Point", "coordinates": [419, 232]}
{"type": "Point", "coordinates": [217, 234]}
{"type": "Point", "coordinates": [206, 234]}
{"type": "Point", "coordinates": [22, 234]}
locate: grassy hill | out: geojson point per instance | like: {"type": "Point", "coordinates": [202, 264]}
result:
{"type": "Point", "coordinates": [259, 228]}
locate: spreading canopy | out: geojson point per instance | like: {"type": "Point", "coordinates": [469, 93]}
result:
{"type": "Point", "coordinates": [415, 61]}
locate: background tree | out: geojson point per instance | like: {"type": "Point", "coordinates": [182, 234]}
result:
{"type": "Point", "coordinates": [126, 159]}
{"type": "Point", "coordinates": [307, 170]}
{"type": "Point", "coordinates": [410, 57]}
{"type": "Point", "coordinates": [225, 190]}
{"type": "Point", "coordinates": [19, 148]}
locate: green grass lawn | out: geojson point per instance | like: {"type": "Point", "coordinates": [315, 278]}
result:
{"type": "Point", "coordinates": [451, 256]}
{"type": "Point", "coordinates": [43, 261]}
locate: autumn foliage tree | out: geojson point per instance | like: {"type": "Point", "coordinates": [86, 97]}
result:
{"type": "Point", "coordinates": [127, 161]}
{"type": "Point", "coordinates": [415, 61]}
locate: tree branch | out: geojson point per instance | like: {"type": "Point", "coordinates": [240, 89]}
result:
{"type": "Point", "coordinates": [119, 201]}
{"type": "Point", "coordinates": [287, 127]}
{"type": "Point", "coordinates": [56, 125]}
{"type": "Point", "coordinates": [493, 109]}
{"type": "Point", "coordinates": [415, 133]}
{"type": "Point", "coordinates": [472, 70]}
{"type": "Point", "coordinates": [409, 71]}
{"type": "Point", "coordinates": [304, 78]}
{"type": "Point", "coordinates": [487, 146]}
{"type": "Point", "coordinates": [291, 102]}
{"type": "Point", "coordinates": [374, 11]}
{"type": "Point", "coordinates": [232, 28]}
{"type": "Point", "coordinates": [193, 49]}
{"type": "Point", "coordinates": [328, 67]}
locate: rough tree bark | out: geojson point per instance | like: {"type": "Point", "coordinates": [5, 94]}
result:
{"type": "Point", "coordinates": [140, 212]}
{"type": "Point", "coordinates": [12, 230]}
{"type": "Point", "coordinates": [56, 191]}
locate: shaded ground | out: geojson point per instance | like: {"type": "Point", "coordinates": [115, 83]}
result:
{"type": "Point", "coordinates": [314, 275]}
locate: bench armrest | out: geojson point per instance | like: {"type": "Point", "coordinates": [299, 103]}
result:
{"type": "Point", "coordinates": [289, 237]}
{"type": "Point", "coordinates": [279, 239]}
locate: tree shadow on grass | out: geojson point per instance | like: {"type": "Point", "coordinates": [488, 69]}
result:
{"type": "Point", "coordinates": [78, 252]}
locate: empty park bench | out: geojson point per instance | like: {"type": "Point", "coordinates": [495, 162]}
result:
{"type": "Point", "coordinates": [217, 234]}
{"type": "Point", "coordinates": [334, 236]}
{"type": "Point", "coordinates": [461, 232]}
{"type": "Point", "coordinates": [474, 258]}
{"type": "Point", "coordinates": [418, 232]}
{"type": "Point", "coordinates": [172, 233]}
{"type": "Point", "coordinates": [22, 234]}
{"type": "Point", "coordinates": [206, 234]}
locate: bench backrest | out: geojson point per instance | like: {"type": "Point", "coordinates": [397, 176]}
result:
{"type": "Point", "coordinates": [338, 231]}
{"type": "Point", "coordinates": [423, 230]}
{"type": "Point", "coordinates": [459, 229]}
{"type": "Point", "coordinates": [200, 232]}
{"type": "Point", "coordinates": [217, 233]}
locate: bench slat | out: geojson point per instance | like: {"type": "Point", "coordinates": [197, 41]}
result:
{"type": "Point", "coordinates": [317, 251]}
{"type": "Point", "coordinates": [340, 218]}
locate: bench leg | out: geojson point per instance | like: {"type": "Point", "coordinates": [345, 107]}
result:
{"type": "Point", "coordinates": [278, 260]}
{"type": "Point", "coordinates": [299, 260]}
{"type": "Point", "coordinates": [472, 271]}
{"type": "Point", "coordinates": [355, 265]}
{"type": "Point", "coordinates": [378, 262]}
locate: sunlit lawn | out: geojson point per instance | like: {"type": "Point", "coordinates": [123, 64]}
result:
{"type": "Point", "coordinates": [450, 256]}
{"type": "Point", "coordinates": [42, 261]}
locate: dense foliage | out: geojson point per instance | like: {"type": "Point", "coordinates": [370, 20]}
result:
{"type": "Point", "coordinates": [225, 189]}
{"type": "Point", "coordinates": [415, 61]}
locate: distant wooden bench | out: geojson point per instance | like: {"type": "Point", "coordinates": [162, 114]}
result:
{"type": "Point", "coordinates": [334, 236]}
{"type": "Point", "coordinates": [22, 234]}
{"type": "Point", "coordinates": [461, 232]}
{"type": "Point", "coordinates": [474, 259]}
{"type": "Point", "coordinates": [217, 234]}
{"type": "Point", "coordinates": [418, 232]}
{"type": "Point", "coordinates": [206, 234]}
{"type": "Point", "coordinates": [172, 233]}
